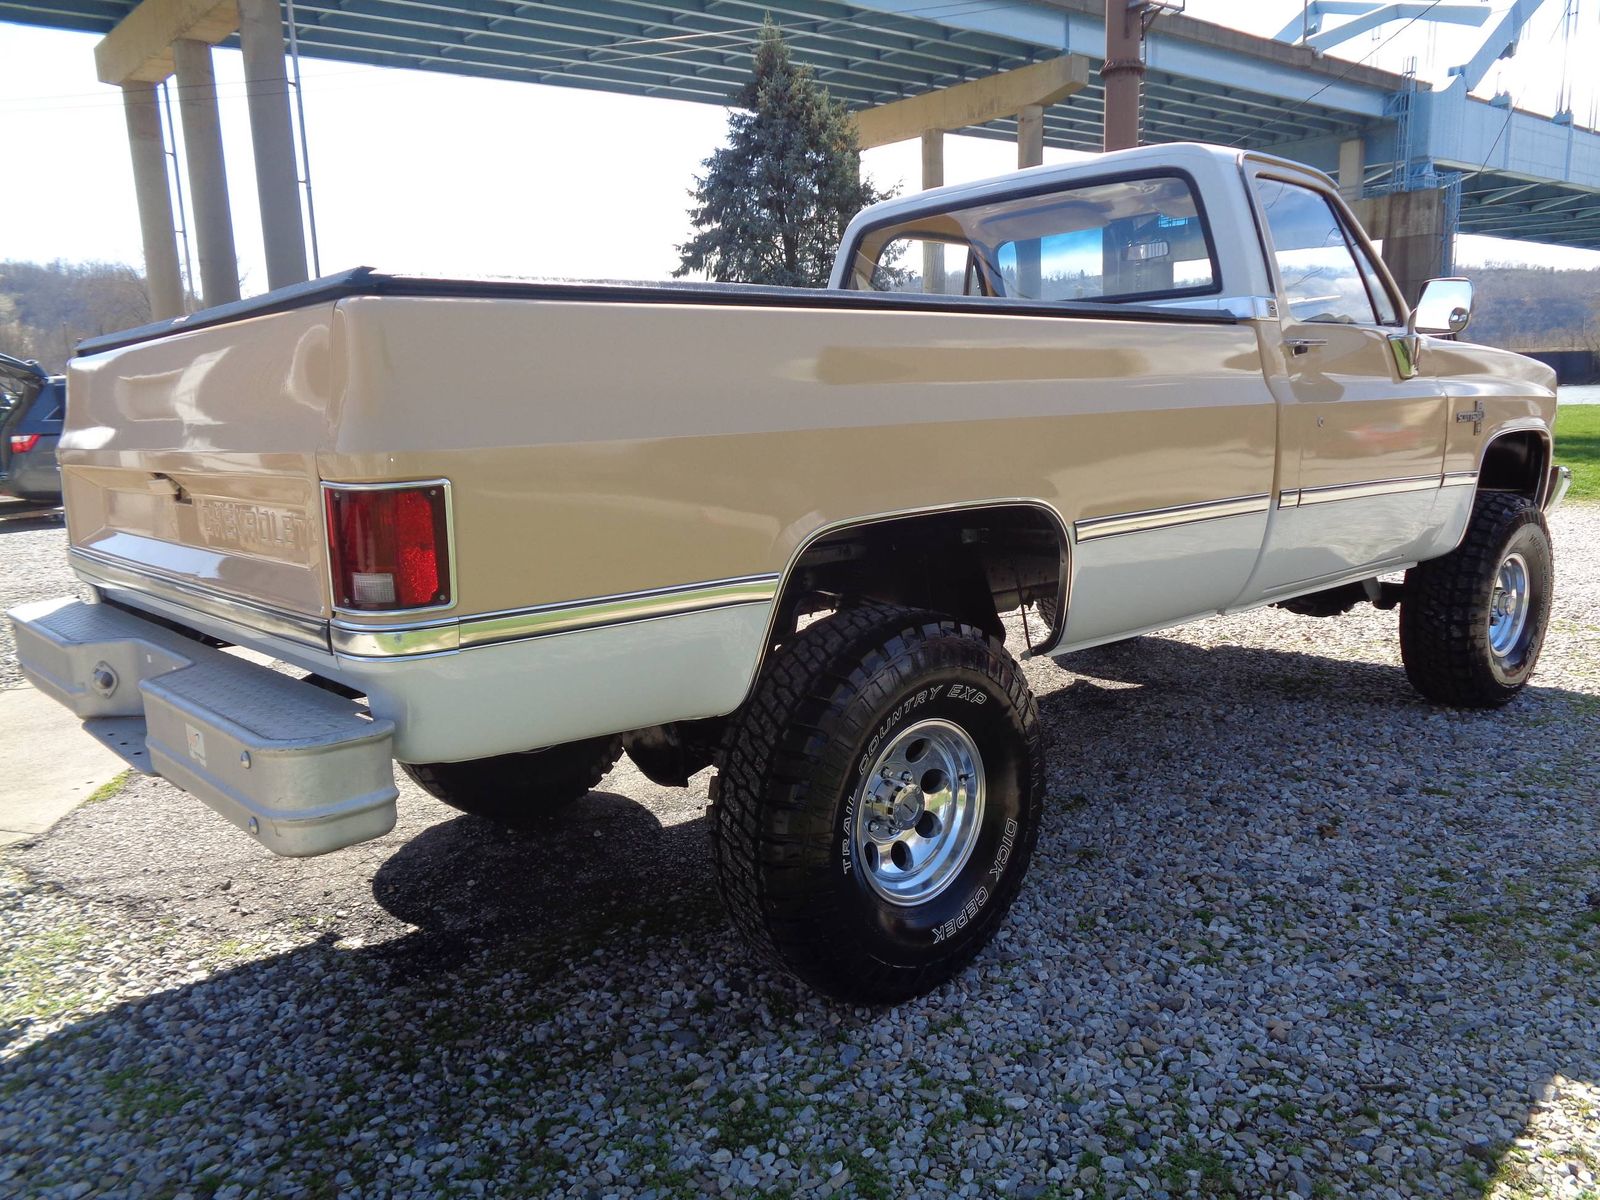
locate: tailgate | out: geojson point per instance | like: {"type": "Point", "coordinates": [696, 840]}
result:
{"type": "Point", "coordinates": [194, 455]}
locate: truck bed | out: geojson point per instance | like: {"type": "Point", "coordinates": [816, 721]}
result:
{"type": "Point", "coordinates": [365, 281]}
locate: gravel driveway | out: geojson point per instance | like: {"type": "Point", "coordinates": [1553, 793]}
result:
{"type": "Point", "coordinates": [1289, 932]}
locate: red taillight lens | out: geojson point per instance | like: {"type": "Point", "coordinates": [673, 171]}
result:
{"type": "Point", "coordinates": [21, 443]}
{"type": "Point", "coordinates": [390, 547]}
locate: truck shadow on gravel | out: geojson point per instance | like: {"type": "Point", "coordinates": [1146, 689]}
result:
{"type": "Point", "coordinates": [465, 883]}
{"type": "Point", "coordinates": [1286, 927]}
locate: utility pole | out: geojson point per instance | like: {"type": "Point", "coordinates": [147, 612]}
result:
{"type": "Point", "coordinates": [1123, 72]}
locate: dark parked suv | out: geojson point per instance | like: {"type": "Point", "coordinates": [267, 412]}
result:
{"type": "Point", "coordinates": [30, 427]}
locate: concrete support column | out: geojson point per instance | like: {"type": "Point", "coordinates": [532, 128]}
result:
{"type": "Point", "coordinates": [1411, 227]}
{"type": "Point", "coordinates": [208, 177]}
{"type": "Point", "coordinates": [1030, 136]}
{"type": "Point", "coordinates": [1352, 168]}
{"type": "Point", "coordinates": [932, 177]}
{"type": "Point", "coordinates": [1030, 153]}
{"type": "Point", "coordinates": [148, 149]}
{"type": "Point", "coordinates": [277, 179]}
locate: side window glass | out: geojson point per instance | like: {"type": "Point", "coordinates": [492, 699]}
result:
{"type": "Point", "coordinates": [1321, 279]}
{"type": "Point", "coordinates": [1381, 299]}
{"type": "Point", "coordinates": [900, 267]}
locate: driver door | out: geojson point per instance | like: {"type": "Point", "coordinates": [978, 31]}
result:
{"type": "Point", "coordinates": [1361, 441]}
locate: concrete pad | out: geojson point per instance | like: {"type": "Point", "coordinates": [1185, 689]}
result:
{"type": "Point", "coordinates": [48, 764]}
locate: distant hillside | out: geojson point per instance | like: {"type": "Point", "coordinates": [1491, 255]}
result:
{"type": "Point", "coordinates": [46, 309]}
{"type": "Point", "coordinates": [1536, 308]}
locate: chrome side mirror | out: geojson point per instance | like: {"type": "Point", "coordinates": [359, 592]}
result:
{"type": "Point", "coordinates": [1445, 307]}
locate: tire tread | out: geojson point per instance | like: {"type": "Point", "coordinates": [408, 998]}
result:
{"type": "Point", "coordinates": [1444, 638]}
{"type": "Point", "coordinates": [767, 838]}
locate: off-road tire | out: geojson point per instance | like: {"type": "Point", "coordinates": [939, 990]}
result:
{"type": "Point", "coordinates": [790, 774]}
{"type": "Point", "coordinates": [1445, 610]}
{"type": "Point", "coordinates": [519, 791]}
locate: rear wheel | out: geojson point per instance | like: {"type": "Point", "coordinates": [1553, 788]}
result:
{"type": "Point", "coordinates": [1472, 623]}
{"type": "Point", "coordinates": [519, 791]}
{"type": "Point", "coordinates": [877, 801]}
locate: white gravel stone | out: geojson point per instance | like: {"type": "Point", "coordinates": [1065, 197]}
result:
{"type": "Point", "coordinates": [1289, 930]}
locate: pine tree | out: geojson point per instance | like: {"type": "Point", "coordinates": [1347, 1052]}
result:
{"type": "Point", "coordinates": [774, 202]}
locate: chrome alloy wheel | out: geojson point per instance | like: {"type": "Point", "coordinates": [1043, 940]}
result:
{"type": "Point", "coordinates": [1508, 607]}
{"type": "Point", "coordinates": [919, 812]}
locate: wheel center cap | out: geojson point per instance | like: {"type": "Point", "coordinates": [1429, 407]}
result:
{"type": "Point", "coordinates": [906, 810]}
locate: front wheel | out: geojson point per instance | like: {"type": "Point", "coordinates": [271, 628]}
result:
{"type": "Point", "coordinates": [878, 801]}
{"type": "Point", "coordinates": [1472, 623]}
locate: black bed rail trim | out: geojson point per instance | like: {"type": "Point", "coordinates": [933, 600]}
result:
{"type": "Point", "coordinates": [364, 281]}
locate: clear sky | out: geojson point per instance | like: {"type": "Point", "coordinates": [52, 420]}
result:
{"type": "Point", "coordinates": [421, 172]}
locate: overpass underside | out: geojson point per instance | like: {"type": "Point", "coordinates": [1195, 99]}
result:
{"type": "Point", "coordinates": [702, 52]}
{"type": "Point", "coordinates": [1202, 82]}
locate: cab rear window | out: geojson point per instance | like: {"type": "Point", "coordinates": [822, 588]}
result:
{"type": "Point", "coordinates": [1141, 238]}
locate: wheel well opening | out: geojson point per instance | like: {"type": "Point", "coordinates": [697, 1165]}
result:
{"type": "Point", "coordinates": [1516, 462]}
{"type": "Point", "coordinates": [971, 563]}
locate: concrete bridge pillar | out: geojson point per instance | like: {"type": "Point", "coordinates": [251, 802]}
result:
{"type": "Point", "coordinates": [208, 176]}
{"type": "Point", "coordinates": [1411, 226]}
{"type": "Point", "coordinates": [174, 37]}
{"type": "Point", "coordinates": [148, 149]}
{"type": "Point", "coordinates": [1352, 167]}
{"type": "Point", "coordinates": [1030, 153]}
{"type": "Point", "coordinates": [932, 177]}
{"type": "Point", "coordinates": [1030, 136]}
{"type": "Point", "coordinates": [277, 179]}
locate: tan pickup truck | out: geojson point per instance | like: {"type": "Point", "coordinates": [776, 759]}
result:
{"type": "Point", "coordinates": [504, 531]}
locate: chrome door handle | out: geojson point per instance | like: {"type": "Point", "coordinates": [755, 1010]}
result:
{"type": "Point", "coordinates": [1301, 345]}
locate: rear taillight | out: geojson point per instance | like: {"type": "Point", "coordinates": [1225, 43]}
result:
{"type": "Point", "coordinates": [389, 546]}
{"type": "Point", "coordinates": [21, 443]}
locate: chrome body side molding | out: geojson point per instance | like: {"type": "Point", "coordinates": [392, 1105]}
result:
{"type": "Point", "coordinates": [492, 628]}
{"type": "Point", "coordinates": [1293, 498]}
{"type": "Point", "coordinates": [488, 629]}
{"type": "Point", "coordinates": [353, 639]}
{"type": "Point", "coordinates": [1161, 518]}
{"type": "Point", "coordinates": [1374, 487]}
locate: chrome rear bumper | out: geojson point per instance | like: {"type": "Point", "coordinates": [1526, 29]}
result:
{"type": "Point", "coordinates": [302, 770]}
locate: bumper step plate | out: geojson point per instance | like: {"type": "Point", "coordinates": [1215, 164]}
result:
{"type": "Point", "coordinates": [300, 769]}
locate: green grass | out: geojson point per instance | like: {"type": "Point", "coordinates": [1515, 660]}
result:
{"type": "Point", "coordinates": [1578, 447]}
{"type": "Point", "coordinates": [110, 787]}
